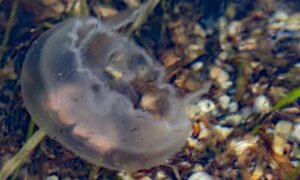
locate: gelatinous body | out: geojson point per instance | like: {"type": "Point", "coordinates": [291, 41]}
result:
{"type": "Point", "coordinates": [102, 96]}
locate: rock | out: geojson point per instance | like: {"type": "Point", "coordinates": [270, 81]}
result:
{"type": "Point", "coordinates": [261, 104]}
{"type": "Point", "coordinates": [282, 130]}
{"type": "Point", "coordinates": [233, 107]}
{"type": "Point", "coordinates": [295, 134]}
{"type": "Point", "coordinates": [52, 177]}
{"type": "Point", "coordinates": [200, 175]}
{"type": "Point", "coordinates": [224, 101]}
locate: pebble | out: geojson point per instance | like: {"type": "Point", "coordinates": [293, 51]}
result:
{"type": "Point", "coordinates": [124, 175]}
{"type": "Point", "coordinates": [106, 11]}
{"type": "Point", "coordinates": [218, 74]}
{"type": "Point", "coordinates": [234, 28]}
{"type": "Point", "coordinates": [194, 143]}
{"type": "Point", "coordinates": [295, 163]}
{"type": "Point", "coordinates": [197, 66]}
{"type": "Point", "coordinates": [204, 133]}
{"type": "Point", "coordinates": [132, 3]}
{"type": "Point", "coordinates": [193, 51]}
{"type": "Point", "coordinates": [224, 131]}
{"type": "Point", "coordinates": [198, 167]}
{"type": "Point", "coordinates": [52, 177]}
{"type": "Point", "coordinates": [226, 84]}
{"type": "Point", "coordinates": [262, 104]}
{"type": "Point", "coordinates": [205, 106]}
{"type": "Point", "coordinates": [282, 130]}
{"type": "Point", "coordinates": [145, 178]}
{"type": "Point", "coordinates": [200, 175]}
{"type": "Point", "coordinates": [193, 112]}
{"type": "Point", "coordinates": [295, 134]}
{"type": "Point", "coordinates": [281, 16]}
{"type": "Point", "coordinates": [223, 55]}
{"type": "Point", "coordinates": [233, 107]}
{"type": "Point", "coordinates": [234, 119]}
{"type": "Point", "coordinates": [224, 101]}
{"type": "Point", "coordinates": [198, 30]}
{"type": "Point", "coordinates": [161, 175]}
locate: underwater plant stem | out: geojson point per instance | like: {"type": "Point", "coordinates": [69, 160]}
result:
{"type": "Point", "coordinates": [79, 8]}
{"type": "Point", "coordinates": [10, 166]}
{"type": "Point", "coordinates": [8, 28]}
{"type": "Point", "coordinates": [28, 136]}
{"type": "Point", "coordinates": [30, 130]}
{"type": "Point", "coordinates": [84, 9]}
{"type": "Point", "coordinates": [291, 97]}
{"type": "Point", "coordinates": [146, 10]}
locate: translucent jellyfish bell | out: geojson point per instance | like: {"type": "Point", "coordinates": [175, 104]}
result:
{"type": "Point", "coordinates": [102, 96]}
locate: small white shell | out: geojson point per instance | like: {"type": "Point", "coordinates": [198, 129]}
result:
{"type": "Point", "coordinates": [102, 96]}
